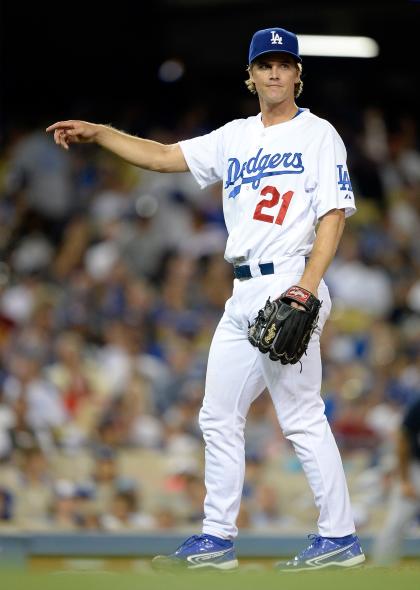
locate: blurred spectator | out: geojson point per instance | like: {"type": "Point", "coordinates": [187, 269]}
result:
{"type": "Point", "coordinates": [265, 512]}
{"type": "Point", "coordinates": [6, 505]}
{"type": "Point", "coordinates": [45, 177]}
{"type": "Point", "coordinates": [32, 489]}
{"type": "Point", "coordinates": [165, 518]}
{"type": "Point", "coordinates": [37, 402]}
{"type": "Point", "coordinates": [254, 467]}
{"type": "Point", "coordinates": [204, 239]}
{"type": "Point", "coordinates": [83, 389]}
{"type": "Point", "coordinates": [104, 478]}
{"type": "Point", "coordinates": [404, 504]}
{"type": "Point", "coordinates": [124, 513]}
{"type": "Point", "coordinates": [143, 245]}
{"type": "Point", "coordinates": [62, 512]}
{"type": "Point", "coordinates": [183, 367]}
{"type": "Point", "coordinates": [87, 515]}
{"type": "Point", "coordinates": [184, 490]}
{"type": "Point", "coordinates": [346, 275]}
{"type": "Point", "coordinates": [261, 427]}
{"type": "Point", "coordinates": [7, 422]}
{"type": "Point", "coordinates": [195, 493]}
{"type": "Point", "coordinates": [142, 428]}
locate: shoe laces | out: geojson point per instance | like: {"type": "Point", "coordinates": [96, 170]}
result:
{"type": "Point", "coordinates": [316, 540]}
{"type": "Point", "coordinates": [191, 540]}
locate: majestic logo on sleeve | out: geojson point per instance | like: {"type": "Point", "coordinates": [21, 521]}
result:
{"type": "Point", "coordinates": [344, 179]}
{"type": "Point", "coordinates": [260, 166]}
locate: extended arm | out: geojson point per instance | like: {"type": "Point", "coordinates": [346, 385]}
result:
{"type": "Point", "coordinates": [144, 153]}
{"type": "Point", "coordinates": [328, 236]}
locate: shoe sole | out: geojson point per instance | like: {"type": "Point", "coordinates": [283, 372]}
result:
{"type": "Point", "coordinates": [164, 563]}
{"type": "Point", "coordinates": [354, 562]}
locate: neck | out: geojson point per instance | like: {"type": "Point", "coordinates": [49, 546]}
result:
{"type": "Point", "coordinates": [277, 113]}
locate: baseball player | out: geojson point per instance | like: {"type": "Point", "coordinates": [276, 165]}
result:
{"type": "Point", "coordinates": [284, 173]}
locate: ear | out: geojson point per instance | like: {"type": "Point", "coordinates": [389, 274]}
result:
{"type": "Point", "coordinates": [250, 68]}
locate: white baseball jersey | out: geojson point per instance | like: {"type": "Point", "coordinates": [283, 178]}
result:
{"type": "Point", "coordinates": [277, 182]}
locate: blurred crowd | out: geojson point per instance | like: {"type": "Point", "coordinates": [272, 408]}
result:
{"type": "Point", "coordinates": [112, 281]}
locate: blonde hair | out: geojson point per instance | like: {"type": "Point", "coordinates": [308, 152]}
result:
{"type": "Point", "coordinates": [298, 86]}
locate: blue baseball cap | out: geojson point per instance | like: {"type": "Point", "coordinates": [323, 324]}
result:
{"type": "Point", "coordinates": [274, 40]}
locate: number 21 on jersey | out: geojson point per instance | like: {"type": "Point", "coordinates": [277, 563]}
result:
{"type": "Point", "coordinates": [272, 202]}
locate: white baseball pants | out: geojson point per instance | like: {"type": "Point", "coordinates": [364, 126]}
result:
{"type": "Point", "coordinates": [237, 373]}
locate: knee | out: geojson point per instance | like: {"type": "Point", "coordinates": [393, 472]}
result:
{"type": "Point", "coordinates": [211, 418]}
{"type": "Point", "coordinates": [216, 423]}
{"type": "Point", "coordinates": [316, 426]}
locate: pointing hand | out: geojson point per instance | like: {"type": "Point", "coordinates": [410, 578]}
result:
{"type": "Point", "coordinates": [67, 132]}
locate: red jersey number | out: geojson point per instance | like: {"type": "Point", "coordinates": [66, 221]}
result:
{"type": "Point", "coordinates": [272, 202]}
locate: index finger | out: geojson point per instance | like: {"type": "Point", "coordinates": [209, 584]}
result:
{"type": "Point", "coordinates": [61, 125]}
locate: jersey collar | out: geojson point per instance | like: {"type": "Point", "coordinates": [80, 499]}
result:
{"type": "Point", "coordinates": [299, 112]}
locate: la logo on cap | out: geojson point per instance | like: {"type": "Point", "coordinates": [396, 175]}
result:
{"type": "Point", "coordinates": [276, 39]}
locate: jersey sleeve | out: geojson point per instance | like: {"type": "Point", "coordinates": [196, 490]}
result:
{"type": "Point", "coordinates": [204, 156]}
{"type": "Point", "coordinates": [334, 189]}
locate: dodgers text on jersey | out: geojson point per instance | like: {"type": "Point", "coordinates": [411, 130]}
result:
{"type": "Point", "coordinates": [260, 166]}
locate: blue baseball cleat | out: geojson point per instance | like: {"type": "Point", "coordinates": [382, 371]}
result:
{"type": "Point", "coordinates": [325, 552]}
{"type": "Point", "coordinates": [199, 552]}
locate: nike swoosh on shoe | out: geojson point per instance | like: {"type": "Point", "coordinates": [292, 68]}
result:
{"type": "Point", "coordinates": [200, 558]}
{"type": "Point", "coordinates": [321, 558]}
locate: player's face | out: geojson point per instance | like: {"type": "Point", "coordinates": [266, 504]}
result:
{"type": "Point", "coordinates": [275, 76]}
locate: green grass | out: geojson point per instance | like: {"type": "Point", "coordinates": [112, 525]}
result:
{"type": "Point", "coordinates": [405, 577]}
